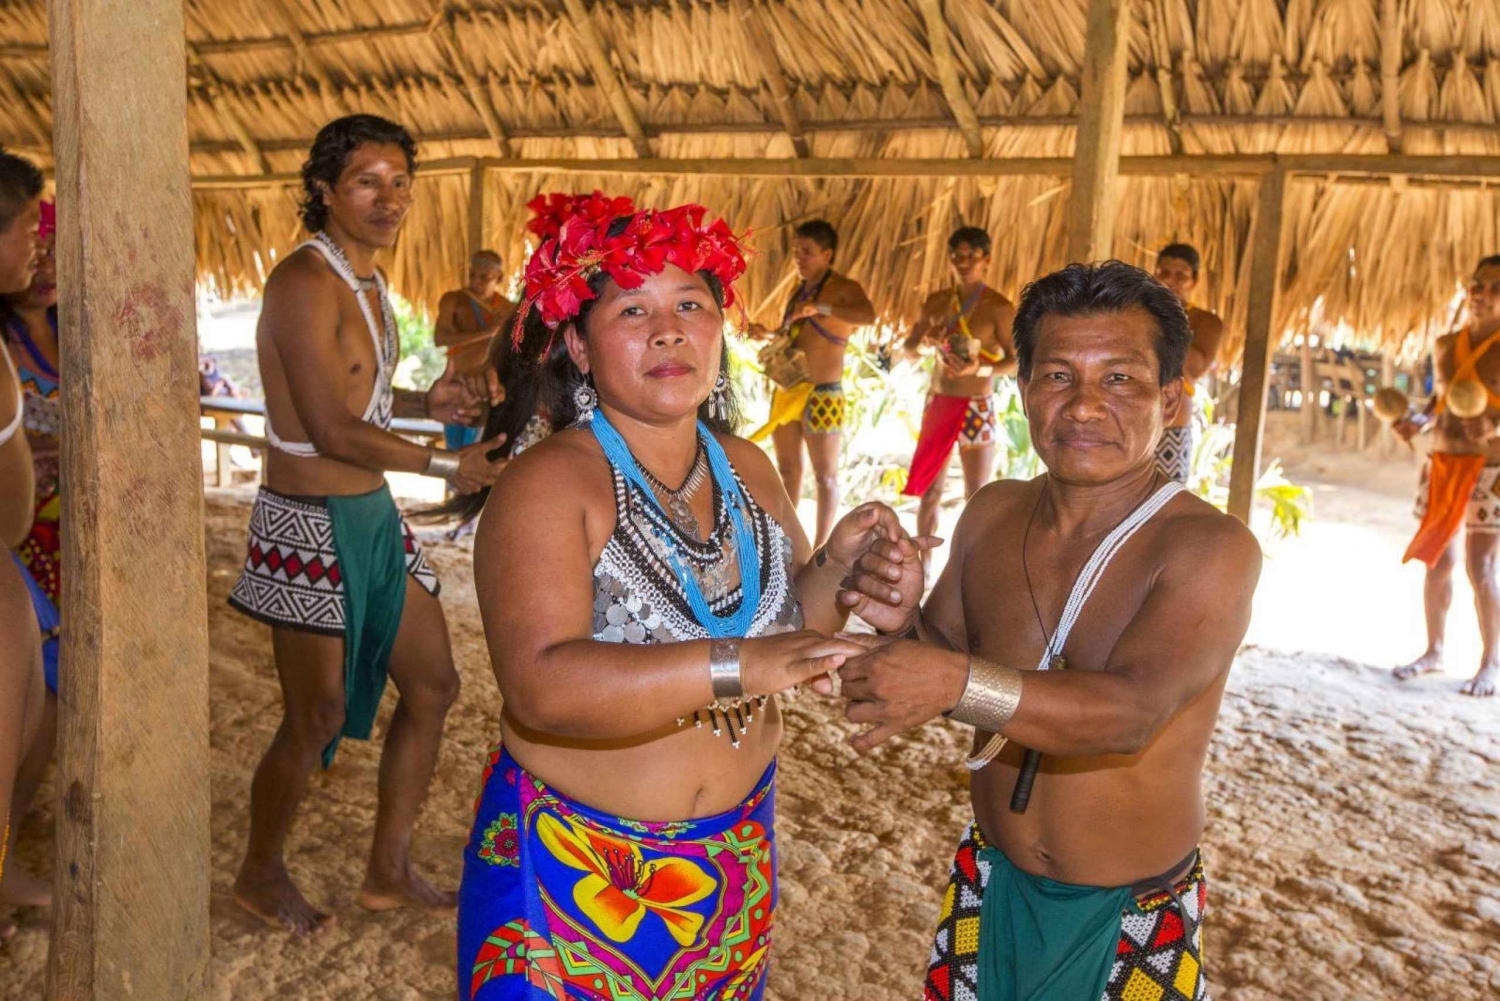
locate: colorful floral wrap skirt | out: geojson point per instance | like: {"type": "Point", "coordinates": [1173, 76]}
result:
{"type": "Point", "coordinates": [561, 901]}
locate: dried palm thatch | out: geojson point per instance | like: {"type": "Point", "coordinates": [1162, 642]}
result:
{"type": "Point", "coordinates": [859, 78]}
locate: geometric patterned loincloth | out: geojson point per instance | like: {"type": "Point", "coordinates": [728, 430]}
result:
{"type": "Point", "coordinates": [979, 425]}
{"type": "Point", "coordinates": [1155, 959]}
{"type": "Point", "coordinates": [825, 409]}
{"type": "Point", "coordinates": [291, 576]}
{"type": "Point", "coordinates": [1482, 513]}
{"type": "Point", "coordinates": [1174, 453]}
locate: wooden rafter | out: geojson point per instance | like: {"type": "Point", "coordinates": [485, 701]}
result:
{"type": "Point", "coordinates": [606, 77]}
{"type": "Point", "coordinates": [1390, 73]}
{"type": "Point", "coordinates": [306, 63]}
{"type": "Point", "coordinates": [941, 47]}
{"type": "Point", "coordinates": [764, 52]}
{"type": "Point", "coordinates": [1162, 50]}
{"type": "Point", "coordinates": [213, 88]}
{"type": "Point", "coordinates": [478, 95]}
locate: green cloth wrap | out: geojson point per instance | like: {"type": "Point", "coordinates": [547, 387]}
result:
{"type": "Point", "coordinates": [371, 548]}
{"type": "Point", "coordinates": [1041, 940]}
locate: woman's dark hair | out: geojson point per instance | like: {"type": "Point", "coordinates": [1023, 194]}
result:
{"type": "Point", "coordinates": [539, 375]}
{"type": "Point", "coordinates": [819, 231]}
{"type": "Point", "coordinates": [20, 182]}
{"type": "Point", "coordinates": [330, 155]}
{"type": "Point", "coordinates": [1184, 252]}
{"type": "Point", "coordinates": [1092, 289]}
{"type": "Point", "coordinates": [973, 236]}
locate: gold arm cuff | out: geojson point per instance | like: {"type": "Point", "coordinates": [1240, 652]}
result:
{"type": "Point", "coordinates": [990, 696]}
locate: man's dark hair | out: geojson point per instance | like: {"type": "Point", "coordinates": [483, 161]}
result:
{"type": "Point", "coordinates": [330, 155]}
{"type": "Point", "coordinates": [1183, 252]}
{"type": "Point", "coordinates": [20, 182]}
{"type": "Point", "coordinates": [973, 236]}
{"type": "Point", "coordinates": [819, 231]}
{"type": "Point", "coordinates": [1110, 287]}
{"type": "Point", "coordinates": [1492, 261]}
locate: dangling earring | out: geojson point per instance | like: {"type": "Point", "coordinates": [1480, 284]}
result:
{"type": "Point", "coordinates": [585, 400]}
{"type": "Point", "coordinates": [718, 400]}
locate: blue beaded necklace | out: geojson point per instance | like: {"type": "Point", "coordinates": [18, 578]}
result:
{"type": "Point", "coordinates": [717, 626]}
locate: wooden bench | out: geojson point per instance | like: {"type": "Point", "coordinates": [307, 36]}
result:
{"type": "Point", "coordinates": [226, 409]}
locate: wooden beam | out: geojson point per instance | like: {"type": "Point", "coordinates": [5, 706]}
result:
{"type": "Point", "coordinates": [606, 77]}
{"type": "Point", "coordinates": [1338, 169]}
{"type": "Point", "coordinates": [213, 88]}
{"type": "Point", "coordinates": [131, 911]}
{"type": "Point", "coordinates": [764, 52]}
{"type": "Point", "coordinates": [1101, 117]}
{"type": "Point", "coordinates": [1267, 245]}
{"type": "Point", "coordinates": [478, 95]}
{"type": "Point", "coordinates": [1390, 73]}
{"type": "Point", "coordinates": [477, 196]}
{"type": "Point", "coordinates": [941, 47]}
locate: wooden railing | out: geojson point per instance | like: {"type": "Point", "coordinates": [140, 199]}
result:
{"type": "Point", "coordinates": [226, 409]}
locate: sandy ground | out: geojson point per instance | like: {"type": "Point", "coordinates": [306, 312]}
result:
{"type": "Point", "coordinates": [1353, 837]}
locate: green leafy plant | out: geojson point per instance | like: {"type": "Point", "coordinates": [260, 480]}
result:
{"type": "Point", "coordinates": [422, 361]}
{"type": "Point", "coordinates": [1208, 476]}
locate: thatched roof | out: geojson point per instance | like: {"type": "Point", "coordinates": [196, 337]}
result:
{"type": "Point", "coordinates": [522, 79]}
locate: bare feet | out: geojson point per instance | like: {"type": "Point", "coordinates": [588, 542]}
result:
{"type": "Point", "coordinates": [387, 892]}
{"type": "Point", "coordinates": [1483, 684]}
{"type": "Point", "coordinates": [21, 889]}
{"type": "Point", "coordinates": [1428, 663]}
{"type": "Point", "coordinates": [274, 899]}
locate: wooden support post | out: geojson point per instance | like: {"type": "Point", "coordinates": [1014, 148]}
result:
{"type": "Point", "coordinates": [1390, 73]}
{"type": "Point", "coordinates": [132, 866]}
{"type": "Point", "coordinates": [1260, 335]}
{"type": "Point", "coordinates": [1387, 378]}
{"type": "Point", "coordinates": [1309, 391]}
{"type": "Point", "coordinates": [476, 209]}
{"type": "Point", "coordinates": [606, 77]}
{"type": "Point", "coordinates": [764, 51]}
{"type": "Point", "coordinates": [941, 46]}
{"type": "Point", "coordinates": [1101, 118]}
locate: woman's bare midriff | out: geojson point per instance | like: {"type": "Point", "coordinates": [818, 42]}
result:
{"type": "Point", "coordinates": [671, 774]}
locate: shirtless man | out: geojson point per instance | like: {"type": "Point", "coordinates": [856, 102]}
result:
{"type": "Point", "coordinates": [820, 316]}
{"type": "Point", "coordinates": [1104, 864]}
{"type": "Point", "coordinates": [328, 349]}
{"type": "Point", "coordinates": [961, 408]}
{"type": "Point", "coordinates": [1177, 268]}
{"type": "Point", "coordinates": [467, 320]}
{"type": "Point", "coordinates": [22, 689]}
{"type": "Point", "coordinates": [1466, 453]}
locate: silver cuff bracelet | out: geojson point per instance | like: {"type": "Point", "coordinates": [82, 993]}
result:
{"type": "Point", "coordinates": [990, 696]}
{"type": "Point", "coordinates": [443, 465]}
{"type": "Point", "coordinates": [724, 669]}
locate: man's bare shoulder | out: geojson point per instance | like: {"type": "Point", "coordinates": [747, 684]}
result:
{"type": "Point", "coordinates": [844, 286]}
{"type": "Point", "coordinates": [996, 503]}
{"type": "Point", "coordinates": [1197, 538]}
{"type": "Point", "coordinates": [1204, 321]}
{"type": "Point", "coordinates": [995, 299]}
{"type": "Point", "coordinates": [303, 272]}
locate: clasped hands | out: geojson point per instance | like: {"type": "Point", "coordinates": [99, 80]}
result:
{"type": "Point", "coordinates": [895, 684]}
{"type": "Point", "coordinates": [460, 396]}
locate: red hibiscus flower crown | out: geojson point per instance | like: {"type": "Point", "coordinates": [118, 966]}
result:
{"type": "Point", "coordinates": [557, 276]}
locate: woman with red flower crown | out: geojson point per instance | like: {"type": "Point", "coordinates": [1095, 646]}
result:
{"type": "Point", "coordinates": [624, 840]}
